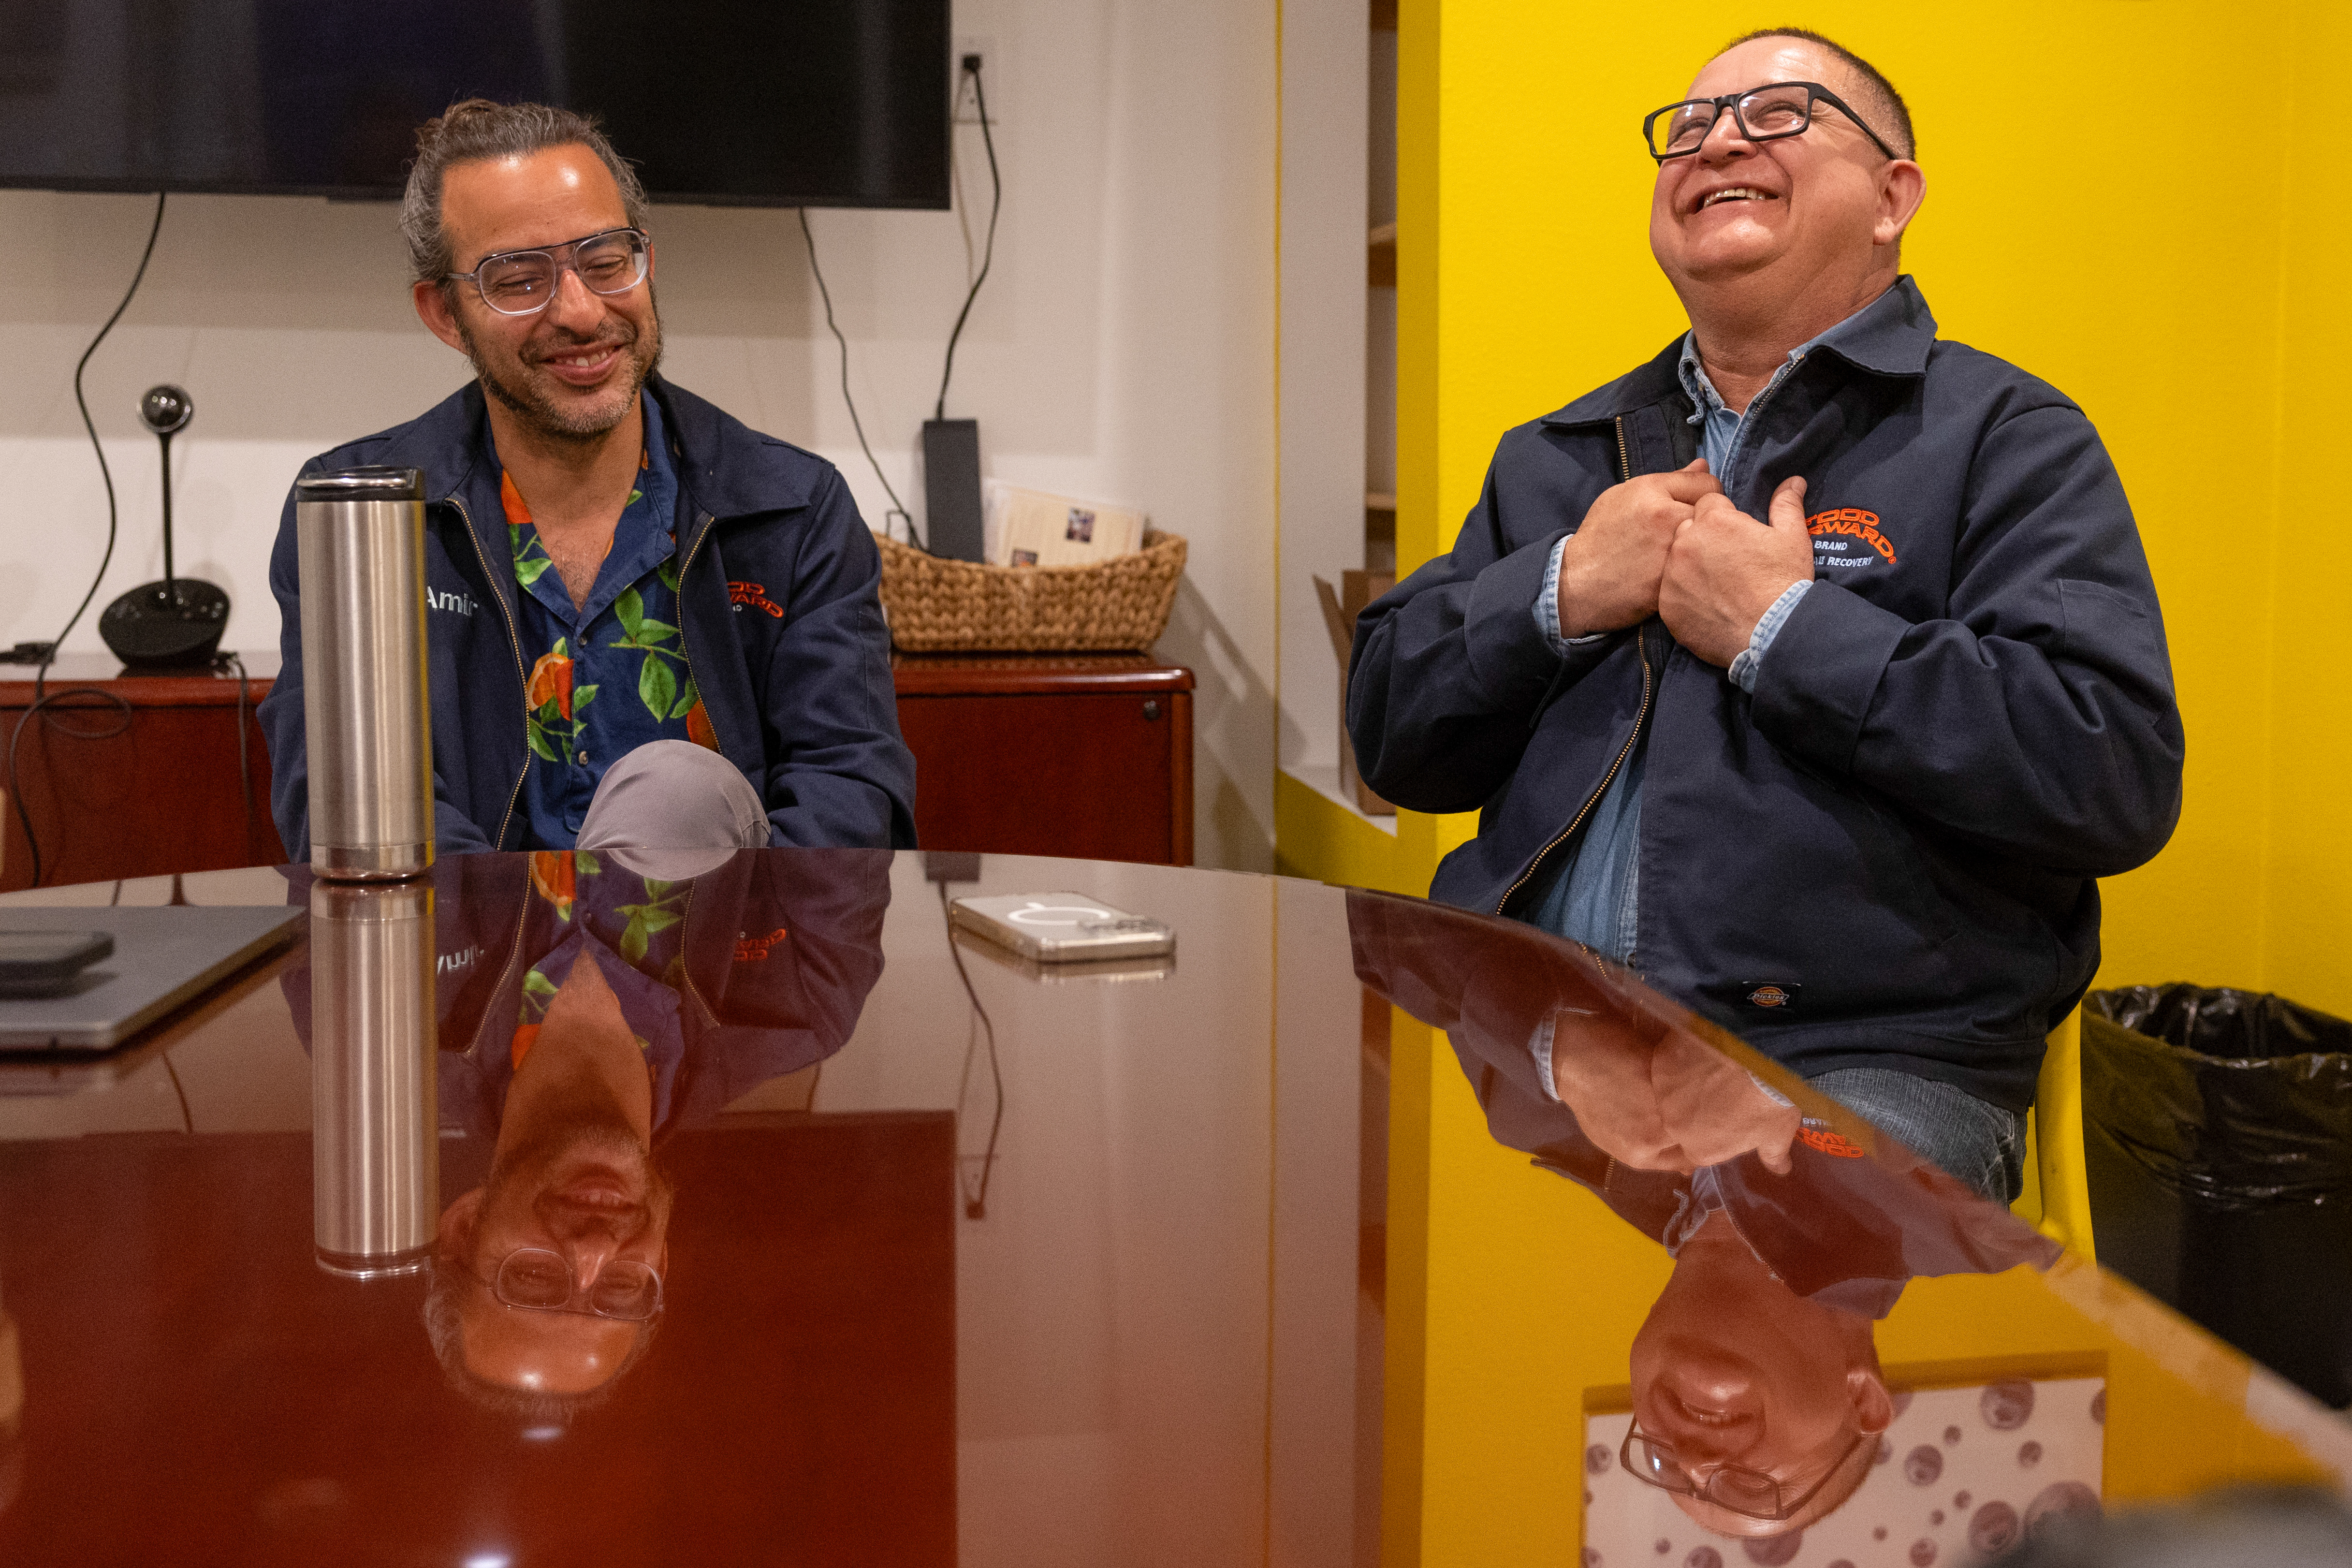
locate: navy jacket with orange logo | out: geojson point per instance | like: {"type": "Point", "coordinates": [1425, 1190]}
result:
{"type": "Point", "coordinates": [781, 619]}
{"type": "Point", "coordinates": [1966, 720]}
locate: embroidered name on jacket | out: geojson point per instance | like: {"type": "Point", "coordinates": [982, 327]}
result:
{"type": "Point", "coordinates": [754, 594]}
{"type": "Point", "coordinates": [749, 948]}
{"type": "Point", "coordinates": [1847, 537]}
{"type": "Point", "coordinates": [463, 604]}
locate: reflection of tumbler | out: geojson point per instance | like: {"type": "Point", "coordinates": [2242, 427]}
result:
{"type": "Point", "coordinates": [375, 1149]}
{"type": "Point", "coordinates": [360, 534]}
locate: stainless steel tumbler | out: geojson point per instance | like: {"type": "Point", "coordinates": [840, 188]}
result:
{"type": "Point", "coordinates": [375, 1153]}
{"type": "Point", "coordinates": [360, 535]}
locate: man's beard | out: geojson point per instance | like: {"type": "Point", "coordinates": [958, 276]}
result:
{"type": "Point", "coordinates": [575, 423]}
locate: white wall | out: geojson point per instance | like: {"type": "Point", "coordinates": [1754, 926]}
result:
{"type": "Point", "coordinates": [1123, 348]}
{"type": "Point", "coordinates": [1324, 151]}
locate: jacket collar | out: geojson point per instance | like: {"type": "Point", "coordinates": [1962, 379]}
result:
{"type": "Point", "coordinates": [1890, 336]}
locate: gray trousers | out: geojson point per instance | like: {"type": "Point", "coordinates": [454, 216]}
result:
{"type": "Point", "coordinates": [673, 809]}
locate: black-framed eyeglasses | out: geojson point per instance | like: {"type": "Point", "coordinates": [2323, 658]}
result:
{"type": "Point", "coordinates": [540, 1280]}
{"type": "Point", "coordinates": [523, 282]}
{"type": "Point", "coordinates": [1751, 1494]}
{"type": "Point", "coordinates": [1763, 113]}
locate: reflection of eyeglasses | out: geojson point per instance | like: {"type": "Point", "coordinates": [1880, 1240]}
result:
{"type": "Point", "coordinates": [1751, 1494]}
{"type": "Point", "coordinates": [1762, 113]}
{"type": "Point", "coordinates": [534, 1277]}
{"type": "Point", "coordinates": [523, 282]}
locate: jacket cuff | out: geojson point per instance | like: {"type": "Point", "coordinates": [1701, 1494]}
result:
{"type": "Point", "coordinates": [1814, 695]}
{"type": "Point", "coordinates": [1505, 645]}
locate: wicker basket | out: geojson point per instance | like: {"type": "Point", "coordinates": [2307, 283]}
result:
{"type": "Point", "coordinates": [938, 605]}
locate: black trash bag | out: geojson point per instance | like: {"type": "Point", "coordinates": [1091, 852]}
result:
{"type": "Point", "coordinates": [2217, 1125]}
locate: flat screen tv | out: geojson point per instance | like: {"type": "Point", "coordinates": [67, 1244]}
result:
{"type": "Point", "coordinates": [745, 102]}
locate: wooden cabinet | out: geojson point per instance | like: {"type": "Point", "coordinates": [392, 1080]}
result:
{"type": "Point", "coordinates": [1050, 754]}
{"type": "Point", "coordinates": [136, 776]}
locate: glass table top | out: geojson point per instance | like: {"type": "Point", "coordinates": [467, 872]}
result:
{"type": "Point", "coordinates": [793, 1226]}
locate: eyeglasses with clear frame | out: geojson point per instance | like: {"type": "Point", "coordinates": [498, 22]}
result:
{"type": "Point", "coordinates": [539, 1280]}
{"type": "Point", "coordinates": [1764, 114]}
{"type": "Point", "coordinates": [523, 282]}
{"type": "Point", "coordinates": [1751, 1494]}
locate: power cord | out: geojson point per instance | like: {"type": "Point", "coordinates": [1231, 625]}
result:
{"type": "Point", "coordinates": [898, 509]}
{"type": "Point", "coordinates": [224, 662]}
{"type": "Point", "coordinates": [975, 1200]}
{"type": "Point", "coordinates": [988, 251]}
{"type": "Point", "coordinates": [41, 698]}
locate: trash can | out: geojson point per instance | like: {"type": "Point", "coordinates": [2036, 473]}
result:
{"type": "Point", "coordinates": [2217, 1130]}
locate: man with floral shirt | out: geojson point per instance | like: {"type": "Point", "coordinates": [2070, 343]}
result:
{"type": "Point", "coordinates": [647, 626]}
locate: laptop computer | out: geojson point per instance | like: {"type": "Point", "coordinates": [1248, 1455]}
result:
{"type": "Point", "coordinates": [164, 958]}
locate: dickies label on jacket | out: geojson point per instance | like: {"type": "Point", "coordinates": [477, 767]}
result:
{"type": "Point", "coordinates": [1752, 996]}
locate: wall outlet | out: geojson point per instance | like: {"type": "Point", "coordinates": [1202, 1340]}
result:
{"type": "Point", "coordinates": [992, 73]}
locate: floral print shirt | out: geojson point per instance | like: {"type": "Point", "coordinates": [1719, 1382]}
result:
{"type": "Point", "coordinates": [634, 929]}
{"type": "Point", "coordinates": [611, 675]}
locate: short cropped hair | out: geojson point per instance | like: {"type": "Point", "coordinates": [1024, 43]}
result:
{"type": "Point", "coordinates": [476, 128]}
{"type": "Point", "coordinates": [1882, 102]}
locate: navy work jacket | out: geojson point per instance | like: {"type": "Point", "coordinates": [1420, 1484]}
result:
{"type": "Point", "coordinates": [1886, 856]}
{"type": "Point", "coordinates": [777, 597]}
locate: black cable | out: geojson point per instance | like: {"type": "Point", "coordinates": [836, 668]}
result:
{"type": "Point", "coordinates": [244, 767]}
{"type": "Point", "coordinates": [975, 1204]}
{"type": "Point", "coordinates": [187, 1122]}
{"type": "Point", "coordinates": [988, 251]}
{"type": "Point", "coordinates": [40, 676]}
{"type": "Point", "coordinates": [48, 706]}
{"type": "Point", "coordinates": [898, 509]}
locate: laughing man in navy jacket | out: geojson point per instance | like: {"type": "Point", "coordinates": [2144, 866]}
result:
{"type": "Point", "coordinates": [647, 625]}
{"type": "Point", "coordinates": [1812, 669]}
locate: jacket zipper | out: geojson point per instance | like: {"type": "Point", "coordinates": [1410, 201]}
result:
{"type": "Point", "coordinates": [684, 652]}
{"type": "Point", "coordinates": [513, 952]}
{"type": "Point", "coordinates": [1641, 717]}
{"type": "Point", "coordinates": [1624, 458]}
{"type": "Point", "coordinates": [514, 640]}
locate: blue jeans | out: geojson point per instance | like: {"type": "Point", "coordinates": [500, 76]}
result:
{"type": "Point", "coordinates": [1980, 1143]}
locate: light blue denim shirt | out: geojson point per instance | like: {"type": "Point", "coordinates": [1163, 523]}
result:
{"type": "Point", "coordinates": [1592, 894]}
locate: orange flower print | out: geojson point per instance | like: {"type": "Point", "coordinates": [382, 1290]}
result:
{"type": "Point", "coordinates": [550, 681]}
{"type": "Point", "coordinates": [525, 1036]}
{"type": "Point", "coordinates": [698, 727]}
{"type": "Point", "coordinates": [553, 876]}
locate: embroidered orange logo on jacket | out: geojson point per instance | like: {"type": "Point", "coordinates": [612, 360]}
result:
{"type": "Point", "coordinates": [1838, 531]}
{"type": "Point", "coordinates": [1769, 996]}
{"type": "Point", "coordinates": [752, 949]}
{"type": "Point", "coordinates": [1833, 1144]}
{"type": "Point", "coordinates": [754, 594]}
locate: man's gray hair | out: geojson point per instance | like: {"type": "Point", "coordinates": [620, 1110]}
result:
{"type": "Point", "coordinates": [476, 129]}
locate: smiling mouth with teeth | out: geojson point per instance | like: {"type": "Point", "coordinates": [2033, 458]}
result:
{"type": "Point", "coordinates": [1732, 194]}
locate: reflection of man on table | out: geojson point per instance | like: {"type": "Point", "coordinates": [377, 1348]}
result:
{"type": "Point", "coordinates": [1812, 669]}
{"type": "Point", "coordinates": [643, 1004]}
{"type": "Point", "coordinates": [1757, 1388]}
{"type": "Point", "coordinates": [586, 1011]}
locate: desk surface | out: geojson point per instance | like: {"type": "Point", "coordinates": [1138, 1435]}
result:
{"type": "Point", "coordinates": [198, 687]}
{"type": "Point", "coordinates": [966, 1261]}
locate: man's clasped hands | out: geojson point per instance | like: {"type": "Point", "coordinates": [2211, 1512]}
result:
{"type": "Point", "coordinates": [1672, 545]}
{"type": "Point", "coordinates": [1670, 1104]}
